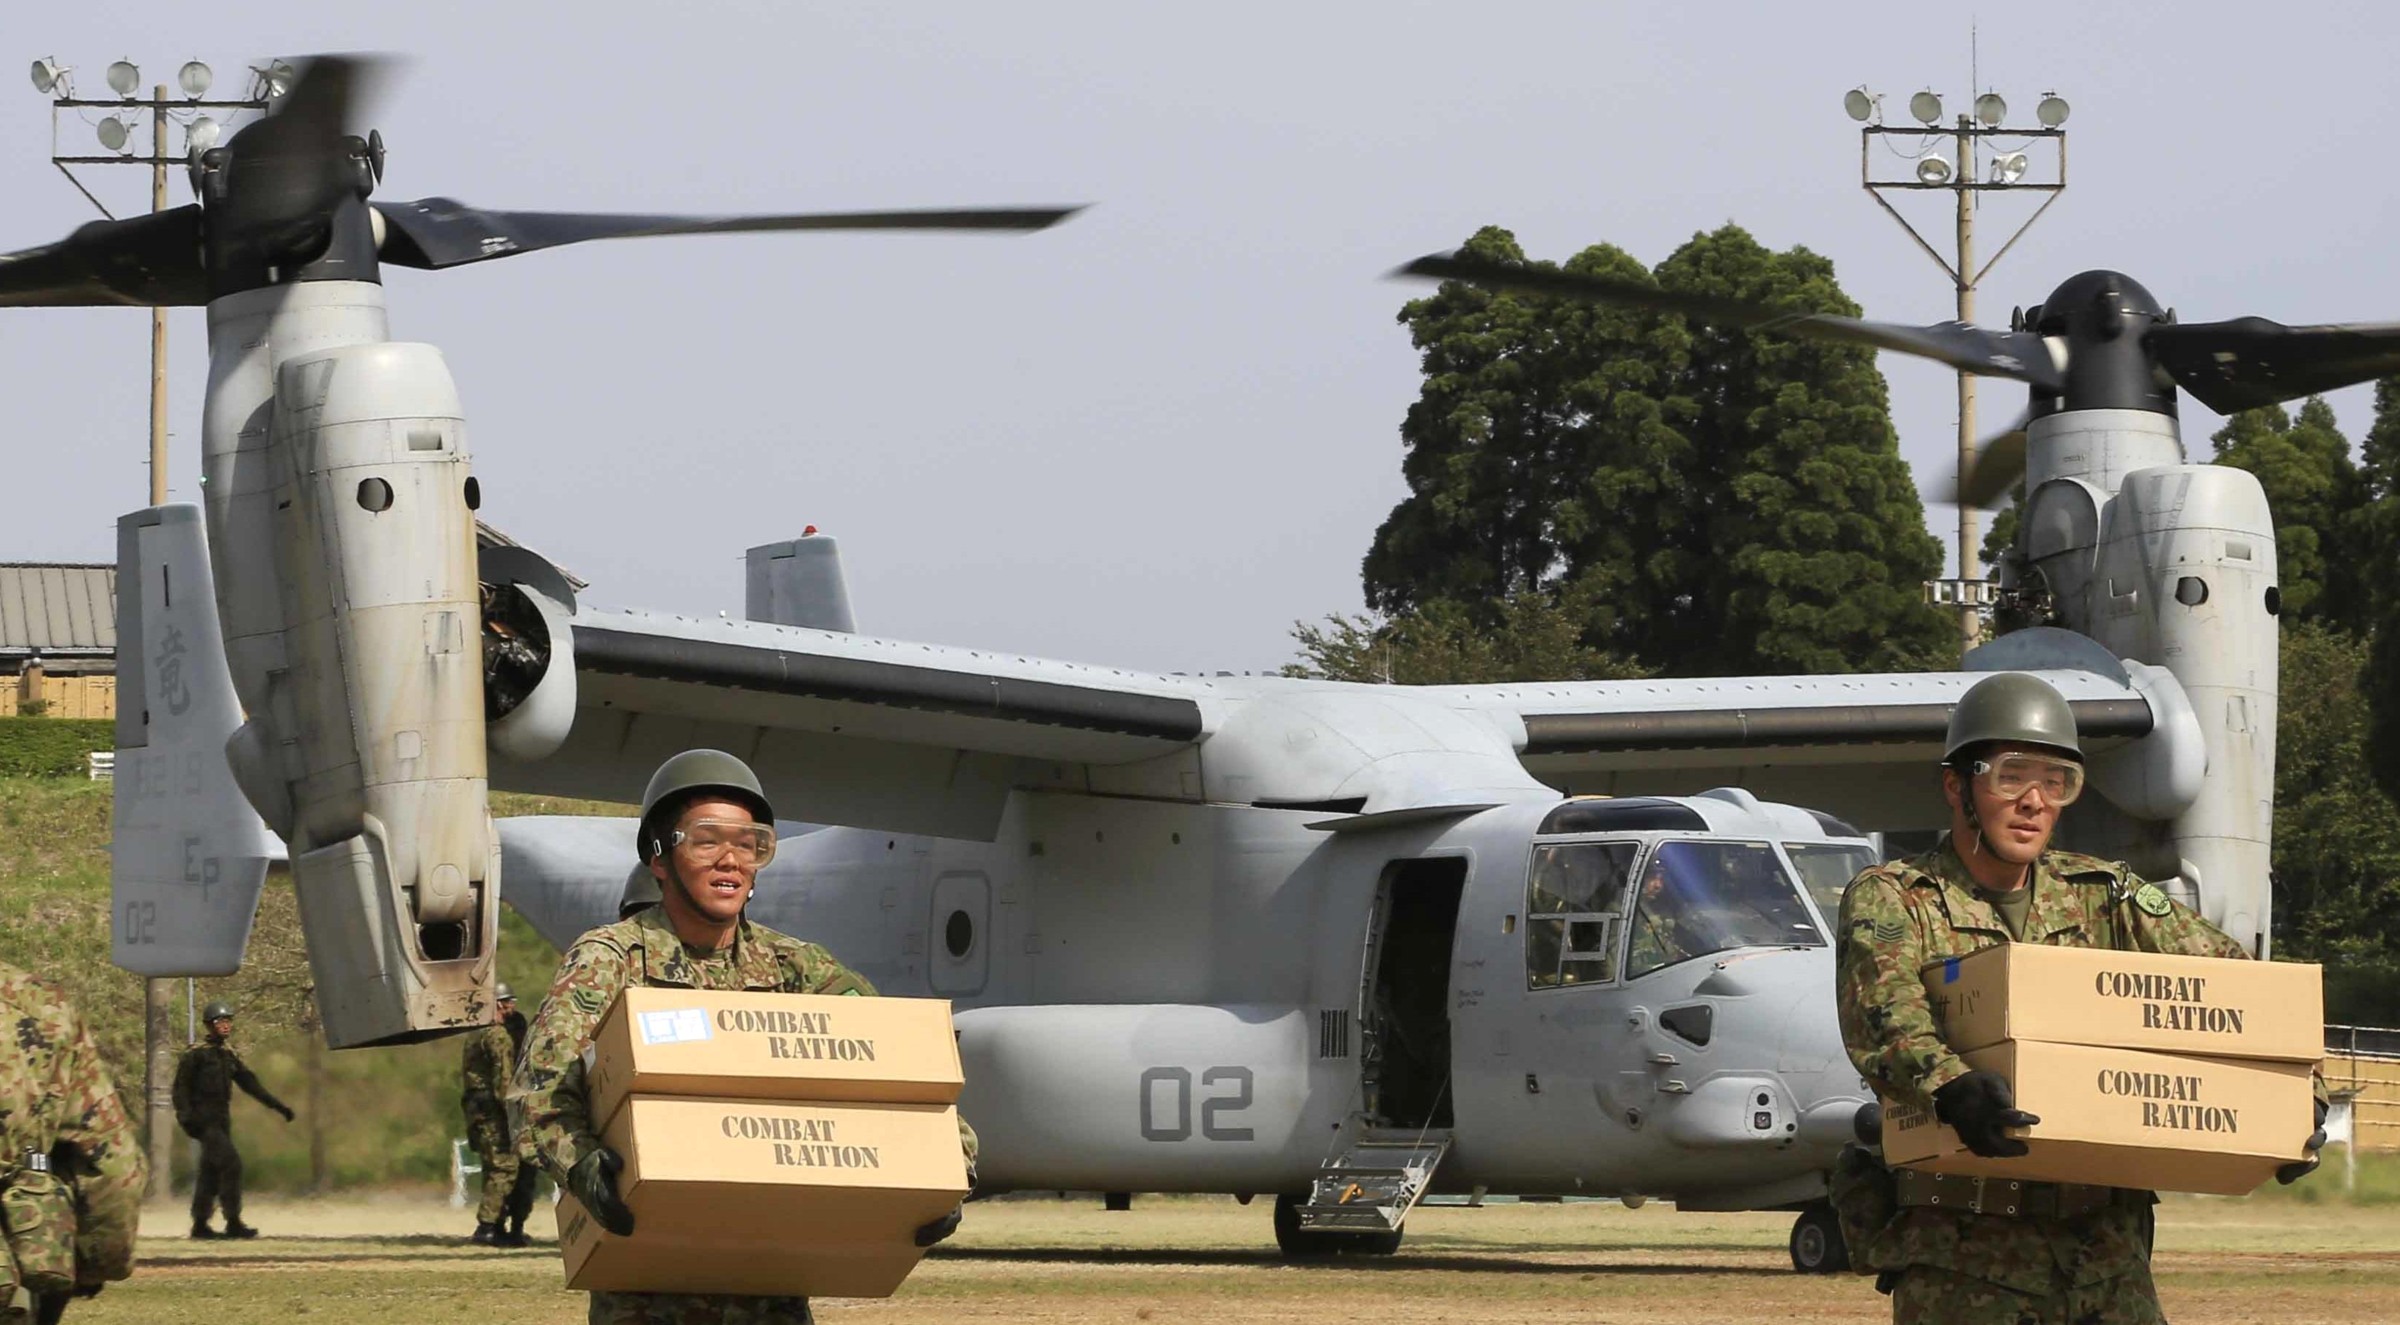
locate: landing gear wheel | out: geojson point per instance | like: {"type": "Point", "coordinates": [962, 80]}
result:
{"type": "Point", "coordinates": [1299, 1244]}
{"type": "Point", "coordinates": [1295, 1244]}
{"type": "Point", "coordinates": [1116, 1201]}
{"type": "Point", "coordinates": [1817, 1246]}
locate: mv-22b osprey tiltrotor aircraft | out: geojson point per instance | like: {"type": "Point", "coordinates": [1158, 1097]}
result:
{"type": "Point", "coordinates": [1344, 944]}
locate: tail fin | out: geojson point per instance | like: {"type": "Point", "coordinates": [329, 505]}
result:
{"type": "Point", "coordinates": [189, 855]}
{"type": "Point", "coordinates": [798, 583]}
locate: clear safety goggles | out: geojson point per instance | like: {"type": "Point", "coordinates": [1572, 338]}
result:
{"type": "Point", "coordinates": [2010, 776]}
{"type": "Point", "coordinates": [707, 840]}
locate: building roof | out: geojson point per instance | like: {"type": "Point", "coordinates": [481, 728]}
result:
{"type": "Point", "coordinates": [57, 608]}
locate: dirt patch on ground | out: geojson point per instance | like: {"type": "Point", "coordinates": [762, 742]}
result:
{"type": "Point", "coordinates": [405, 1263]}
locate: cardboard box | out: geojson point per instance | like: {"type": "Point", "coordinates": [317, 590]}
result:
{"type": "Point", "coordinates": [766, 1046]}
{"type": "Point", "coordinates": [2126, 1118]}
{"type": "Point", "coordinates": [2215, 1006]}
{"type": "Point", "coordinates": [768, 1197]}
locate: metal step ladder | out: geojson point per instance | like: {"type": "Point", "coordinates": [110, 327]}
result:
{"type": "Point", "coordinates": [1376, 1181]}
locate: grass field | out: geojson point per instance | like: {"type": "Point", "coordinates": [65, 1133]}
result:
{"type": "Point", "coordinates": [397, 1108]}
{"type": "Point", "coordinates": [399, 1262]}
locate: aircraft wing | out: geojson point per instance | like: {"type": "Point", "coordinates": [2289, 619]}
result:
{"type": "Point", "coordinates": [1859, 746]}
{"type": "Point", "coordinates": [874, 733]}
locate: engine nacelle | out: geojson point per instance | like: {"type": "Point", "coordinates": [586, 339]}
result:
{"type": "Point", "coordinates": [365, 745]}
{"type": "Point", "coordinates": [2173, 565]}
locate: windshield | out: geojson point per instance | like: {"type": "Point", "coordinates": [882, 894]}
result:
{"type": "Point", "coordinates": [1827, 868]}
{"type": "Point", "coordinates": [1574, 905]}
{"type": "Point", "coordinates": [1696, 898]}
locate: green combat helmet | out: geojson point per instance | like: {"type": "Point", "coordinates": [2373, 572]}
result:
{"type": "Point", "coordinates": [671, 787]}
{"type": "Point", "coordinates": [2015, 708]}
{"type": "Point", "coordinates": [215, 1011]}
{"type": "Point", "coordinates": [501, 993]}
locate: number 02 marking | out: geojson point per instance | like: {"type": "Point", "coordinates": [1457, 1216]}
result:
{"type": "Point", "coordinates": [1178, 1081]}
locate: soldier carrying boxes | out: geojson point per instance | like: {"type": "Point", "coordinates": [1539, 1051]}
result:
{"type": "Point", "coordinates": [620, 1128]}
{"type": "Point", "coordinates": [1951, 1042]}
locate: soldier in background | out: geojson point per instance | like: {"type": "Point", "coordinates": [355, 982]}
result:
{"type": "Point", "coordinates": [529, 1164]}
{"type": "Point", "coordinates": [706, 829]}
{"type": "Point", "coordinates": [486, 1062]}
{"type": "Point", "coordinates": [71, 1168]}
{"type": "Point", "coordinates": [1956, 1249]}
{"type": "Point", "coordinates": [204, 1083]}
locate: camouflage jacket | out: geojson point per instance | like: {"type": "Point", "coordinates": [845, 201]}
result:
{"type": "Point", "coordinates": [1901, 917]}
{"type": "Point", "coordinates": [485, 1063]}
{"type": "Point", "coordinates": [644, 950]}
{"type": "Point", "coordinates": [56, 1098]}
{"type": "Point", "coordinates": [204, 1082]}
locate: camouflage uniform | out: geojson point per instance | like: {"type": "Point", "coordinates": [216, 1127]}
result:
{"type": "Point", "coordinates": [204, 1082]}
{"type": "Point", "coordinates": [1658, 941]}
{"type": "Point", "coordinates": [549, 1087]}
{"type": "Point", "coordinates": [57, 1102]}
{"type": "Point", "coordinates": [1898, 918]}
{"type": "Point", "coordinates": [485, 1065]}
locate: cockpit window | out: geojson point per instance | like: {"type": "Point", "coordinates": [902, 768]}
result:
{"type": "Point", "coordinates": [1826, 869]}
{"type": "Point", "coordinates": [1696, 898]}
{"type": "Point", "coordinates": [1574, 904]}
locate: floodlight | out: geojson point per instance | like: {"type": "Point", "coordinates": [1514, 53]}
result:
{"type": "Point", "coordinates": [2008, 169]}
{"type": "Point", "coordinates": [201, 134]}
{"type": "Point", "coordinates": [112, 134]}
{"type": "Point", "coordinates": [48, 76]}
{"type": "Point", "coordinates": [1859, 104]}
{"type": "Point", "coordinates": [1926, 107]}
{"type": "Point", "coordinates": [124, 76]}
{"type": "Point", "coordinates": [1990, 109]}
{"type": "Point", "coordinates": [274, 80]}
{"type": "Point", "coordinates": [2053, 110]}
{"type": "Point", "coordinates": [195, 78]}
{"type": "Point", "coordinates": [1933, 170]}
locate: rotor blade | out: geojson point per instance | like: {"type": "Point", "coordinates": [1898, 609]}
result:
{"type": "Point", "coordinates": [2017, 354]}
{"type": "Point", "coordinates": [1999, 466]}
{"type": "Point", "coordinates": [286, 172]}
{"type": "Point", "coordinates": [2249, 361]}
{"type": "Point", "coordinates": [141, 261]}
{"type": "Point", "coordinates": [432, 233]}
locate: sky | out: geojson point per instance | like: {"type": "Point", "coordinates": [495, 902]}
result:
{"type": "Point", "coordinates": [1160, 434]}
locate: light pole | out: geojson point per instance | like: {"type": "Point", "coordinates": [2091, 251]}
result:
{"type": "Point", "coordinates": [1976, 171]}
{"type": "Point", "coordinates": [114, 129]}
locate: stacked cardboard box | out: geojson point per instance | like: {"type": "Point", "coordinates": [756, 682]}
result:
{"type": "Point", "coordinates": [773, 1143]}
{"type": "Point", "coordinates": [2186, 1074]}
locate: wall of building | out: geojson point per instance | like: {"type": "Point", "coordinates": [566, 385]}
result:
{"type": "Point", "coordinates": [63, 696]}
{"type": "Point", "coordinates": [2375, 1111]}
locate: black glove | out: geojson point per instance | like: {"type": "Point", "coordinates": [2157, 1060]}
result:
{"type": "Point", "coordinates": [285, 1110]}
{"type": "Point", "coordinates": [1981, 1108]}
{"type": "Point", "coordinates": [2302, 1167]}
{"type": "Point", "coordinates": [593, 1180]}
{"type": "Point", "coordinates": [939, 1228]}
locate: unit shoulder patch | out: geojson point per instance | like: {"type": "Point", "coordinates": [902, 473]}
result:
{"type": "Point", "coordinates": [2152, 900]}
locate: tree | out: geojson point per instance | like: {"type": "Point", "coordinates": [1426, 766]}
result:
{"type": "Point", "coordinates": [2315, 493]}
{"type": "Point", "coordinates": [2376, 544]}
{"type": "Point", "coordinates": [1536, 638]}
{"type": "Point", "coordinates": [2337, 840]}
{"type": "Point", "coordinates": [1719, 502]}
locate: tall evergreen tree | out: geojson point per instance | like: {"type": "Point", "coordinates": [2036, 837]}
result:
{"type": "Point", "coordinates": [2377, 543]}
{"type": "Point", "coordinates": [1724, 501]}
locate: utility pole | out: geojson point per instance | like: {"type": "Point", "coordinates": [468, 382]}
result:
{"type": "Point", "coordinates": [200, 133]}
{"type": "Point", "coordinates": [2003, 171]}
